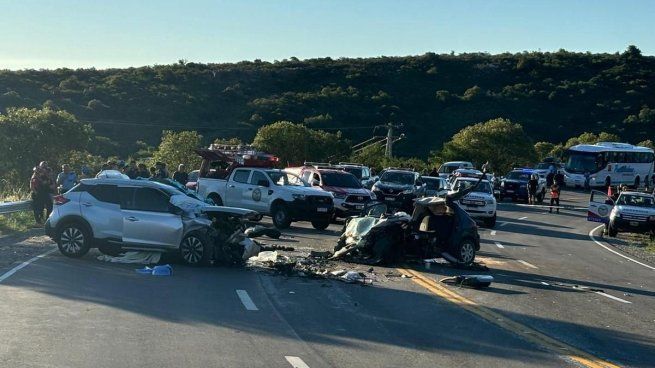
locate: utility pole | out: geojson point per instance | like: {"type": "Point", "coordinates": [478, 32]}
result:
{"type": "Point", "coordinates": [388, 152]}
{"type": "Point", "coordinates": [378, 140]}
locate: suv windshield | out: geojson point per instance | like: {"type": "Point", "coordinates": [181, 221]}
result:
{"type": "Point", "coordinates": [340, 180]}
{"type": "Point", "coordinates": [285, 178]}
{"type": "Point", "coordinates": [397, 177]}
{"type": "Point", "coordinates": [518, 175]}
{"type": "Point", "coordinates": [432, 184]}
{"type": "Point", "coordinates": [447, 169]}
{"type": "Point", "coordinates": [635, 200]}
{"type": "Point", "coordinates": [483, 187]}
{"type": "Point", "coordinates": [357, 171]}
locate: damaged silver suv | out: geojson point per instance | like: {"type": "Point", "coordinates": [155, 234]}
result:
{"type": "Point", "coordinates": [121, 214]}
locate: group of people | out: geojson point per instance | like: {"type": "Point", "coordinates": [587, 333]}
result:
{"type": "Point", "coordinates": [552, 182]}
{"type": "Point", "coordinates": [44, 184]}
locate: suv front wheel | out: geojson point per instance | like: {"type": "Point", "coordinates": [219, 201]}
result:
{"type": "Point", "coordinates": [74, 240]}
{"type": "Point", "coordinates": [196, 249]}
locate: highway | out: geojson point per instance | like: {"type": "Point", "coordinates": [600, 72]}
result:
{"type": "Point", "coordinates": [559, 299]}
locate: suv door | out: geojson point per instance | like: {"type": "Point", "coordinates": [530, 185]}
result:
{"type": "Point", "coordinates": [600, 207]}
{"type": "Point", "coordinates": [260, 195]}
{"type": "Point", "coordinates": [237, 192]}
{"type": "Point", "coordinates": [147, 220]}
{"type": "Point", "coordinates": [100, 207]}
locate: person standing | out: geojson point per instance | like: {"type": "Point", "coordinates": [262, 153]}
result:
{"type": "Point", "coordinates": [554, 196]}
{"type": "Point", "coordinates": [160, 172]}
{"type": "Point", "coordinates": [132, 171]}
{"type": "Point", "coordinates": [533, 183]}
{"type": "Point", "coordinates": [550, 178]}
{"type": "Point", "coordinates": [41, 188]}
{"type": "Point", "coordinates": [66, 179]}
{"type": "Point", "coordinates": [142, 171]}
{"type": "Point", "coordinates": [181, 176]}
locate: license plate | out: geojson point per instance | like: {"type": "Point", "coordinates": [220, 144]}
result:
{"type": "Point", "coordinates": [321, 209]}
{"type": "Point", "coordinates": [634, 223]}
{"type": "Point", "coordinates": [359, 206]}
{"type": "Point", "coordinates": [390, 199]}
{"type": "Point", "coordinates": [510, 191]}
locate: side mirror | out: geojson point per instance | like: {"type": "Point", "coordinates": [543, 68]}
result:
{"type": "Point", "coordinates": [263, 183]}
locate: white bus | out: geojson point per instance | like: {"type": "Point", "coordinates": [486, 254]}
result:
{"type": "Point", "coordinates": [608, 163]}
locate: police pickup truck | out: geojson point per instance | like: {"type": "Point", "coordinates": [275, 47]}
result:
{"type": "Point", "coordinates": [632, 212]}
{"type": "Point", "coordinates": [515, 185]}
{"type": "Point", "coordinates": [480, 203]}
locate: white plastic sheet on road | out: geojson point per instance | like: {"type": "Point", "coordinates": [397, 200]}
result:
{"type": "Point", "coordinates": [133, 257]}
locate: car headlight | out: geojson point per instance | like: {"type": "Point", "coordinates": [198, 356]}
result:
{"type": "Point", "coordinates": [373, 196]}
{"type": "Point", "coordinates": [301, 197]}
{"type": "Point", "coordinates": [408, 191]}
{"type": "Point", "coordinates": [502, 184]}
{"type": "Point", "coordinates": [490, 201]}
{"type": "Point", "coordinates": [339, 195]}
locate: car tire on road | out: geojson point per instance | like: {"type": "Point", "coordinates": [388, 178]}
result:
{"type": "Point", "coordinates": [321, 224]}
{"type": "Point", "coordinates": [74, 239]}
{"type": "Point", "coordinates": [281, 217]}
{"type": "Point", "coordinates": [196, 249]}
{"type": "Point", "coordinates": [464, 252]}
{"type": "Point", "coordinates": [490, 222]}
{"type": "Point", "coordinates": [110, 250]}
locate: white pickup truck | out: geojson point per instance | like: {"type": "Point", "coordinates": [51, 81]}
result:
{"type": "Point", "coordinates": [280, 194]}
{"type": "Point", "coordinates": [632, 212]}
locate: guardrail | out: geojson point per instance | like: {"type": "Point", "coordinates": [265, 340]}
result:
{"type": "Point", "coordinates": [11, 207]}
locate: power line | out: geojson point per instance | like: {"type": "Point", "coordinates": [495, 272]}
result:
{"type": "Point", "coordinates": [184, 126]}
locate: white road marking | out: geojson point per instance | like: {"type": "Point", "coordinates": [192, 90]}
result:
{"type": "Point", "coordinates": [493, 232]}
{"type": "Point", "coordinates": [526, 263]}
{"type": "Point", "coordinates": [8, 274]}
{"type": "Point", "coordinates": [612, 297]}
{"type": "Point", "coordinates": [545, 283]}
{"type": "Point", "coordinates": [503, 223]}
{"type": "Point", "coordinates": [246, 301]}
{"type": "Point", "coordinates": [522, 218]}
{"type": "Point", "coordinates": [591, 235]}
{"type": "Point", "coordinates": [296, 362]}
{"type": "Point", "coordinates": [499, 245]}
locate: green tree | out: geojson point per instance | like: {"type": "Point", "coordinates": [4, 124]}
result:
{"type": "Point", "coordinates": [647, 143]}
{"type": "Point", "coordinates": [543, 149]}
{"type": "Point", "coordinates": [295, 143]}
{"type": "Point", "coordinates": [499, 141]}
{"type": "Point", "coordinates": [177, 148]}
{"type": "Point", "coordinates": [591, 138]}
{"type": "Point", "coordinates": [228, 141]}
{"type": "Point", "coordinates": [372, 156]}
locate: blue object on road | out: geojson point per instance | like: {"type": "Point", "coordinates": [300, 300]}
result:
{"type": "Point", "coordinates": [162, 270]}
{"type": "Point", "coordinates": [144, 271]}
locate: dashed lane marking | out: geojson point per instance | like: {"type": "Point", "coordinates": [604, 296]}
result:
{"type": "Point", "coordinates": [558, 347]}
{"type": "Point", "coordinates": [591, 235]}
{"type": "Point", "coordinates": [522, 218]}
{"type": "Point", "coordinates": [527, 264]}
{"type": "Point", "coordinates": [613, 297]}
{"type": "Point", "coordinates": [246, 301]}
{"type": "Point", "coordinates": [296, 362]}
{"type": "Point", "coordinates": [8, 274]}
{"type": "Point", "coordinates": [499, 245]}
{"type": "Point", "coordinates": [503, 223]}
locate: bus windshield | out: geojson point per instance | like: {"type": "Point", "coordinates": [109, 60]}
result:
{"type": "Point", "coordinates": [584, 162]}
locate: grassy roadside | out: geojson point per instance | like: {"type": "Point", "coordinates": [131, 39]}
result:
{"type": "Point", "coordinates": [640, 241]}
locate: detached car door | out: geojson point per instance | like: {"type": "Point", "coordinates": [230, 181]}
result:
{"type": "Point", "coordinates": [147, 221]}
{"type": "Point", "coordinates": [600, 207]}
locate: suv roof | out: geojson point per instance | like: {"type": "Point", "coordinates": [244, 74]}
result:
{"type": "Point", "coordinates": [131, 182]}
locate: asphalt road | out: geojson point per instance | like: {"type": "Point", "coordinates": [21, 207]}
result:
{"type": "Point", "coordinates": [60, 312]}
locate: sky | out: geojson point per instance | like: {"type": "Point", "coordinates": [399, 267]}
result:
{"type": "Point", "coordinates": [119, 33]}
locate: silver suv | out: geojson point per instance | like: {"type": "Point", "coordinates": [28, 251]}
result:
{"type": "Point", "coordinates": [121, 214]}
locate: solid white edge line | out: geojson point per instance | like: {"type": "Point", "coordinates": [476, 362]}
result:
{"type": "Point", "coordinates": [246, 300]}
{"type": "Point", "coordinates": [493, 232]}
{"type": "Point", "coordinates": [499, 245]}
{"type": "Point", "coordinates": [296, 362]}
{"type": "Point", "coordinates": [591, 235]}
{"type": "Point", "coordinates": [9, 273]}
{"type": "Point", "coordinates": [522, 218]}
{"type": "Point", "coordinates": [612, 297]}
{"type": "Point", "coordinates": [526, 263]}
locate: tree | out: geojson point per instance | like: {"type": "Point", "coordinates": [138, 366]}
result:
{"type": "Point", "coordinates": [499, 141]}
{"type": "Point", "coordinates": [543, 149]}
{"type": "Point", "coordinates": [591, 138]}
{"type": "Point", "coordinates": [228, 141]}
{"type": "Point", "coordinates": [295, 143]}
{"type": "Point", "coordinates": [372, 156]}
{"type": "Point", "coordinates": [177, 148]}
{"type": "Point", "coordinates": [647, 143]}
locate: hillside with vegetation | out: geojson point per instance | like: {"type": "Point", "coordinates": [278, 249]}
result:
{"type": "Point", "coordinates": [554, 96]}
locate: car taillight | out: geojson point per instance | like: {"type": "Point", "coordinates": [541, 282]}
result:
{"type": "Point", "coordinates": [60, 199]}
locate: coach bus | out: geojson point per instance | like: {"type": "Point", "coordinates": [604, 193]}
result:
{"type": "Point", "coordinates": [608, 163]}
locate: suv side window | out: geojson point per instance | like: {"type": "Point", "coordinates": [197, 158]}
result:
{"type": "Point", "coordinates": [241, 176]}
{"type": "Point", "coordinates": [149, 199]}
{"type": "Point", "coordinates": [104, 193]}
{"type": "Point", "coordinates": [257, 176]}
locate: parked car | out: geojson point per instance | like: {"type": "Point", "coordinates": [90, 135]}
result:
{"type": "Point", "coordinates": [119, 214]}
{"type": "Point", "coordinates": [276, 193]}
{"type": "Point", "coordinates": [397, 187]}
{"type": "Point", "coordinates": [361, 172]}
{"type": "Point", "coordinates": [515, 185]}
{"type": "Point", "coordinates": [632, 212]}
{"type": "Point", "coordinates": [434, 186]}
{"type": "Point", "coordinates": [446, 169]}
{"type": "Point", "coordinates": [480, 203]}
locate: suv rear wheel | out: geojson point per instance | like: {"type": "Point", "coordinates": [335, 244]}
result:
{"type": "Point", "coordinates": [196, 249]}
{"type": "Point", "coordinates": [464, 251]}
{"type": "Point", "coordinates": [74, 239]}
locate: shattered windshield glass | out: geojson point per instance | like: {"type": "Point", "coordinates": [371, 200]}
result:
{"type": "Point", "coordinates": [285, 178]}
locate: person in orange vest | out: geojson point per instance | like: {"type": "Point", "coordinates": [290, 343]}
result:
{"type": "Point", "coordinates": [554, 196]}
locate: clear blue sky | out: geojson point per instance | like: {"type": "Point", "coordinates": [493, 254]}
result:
{"type": "Point", "coordinates": [119, 33]}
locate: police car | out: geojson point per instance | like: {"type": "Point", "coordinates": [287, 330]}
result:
{"type": "Point", "coordinates": [479, 204]}
{"type": "Point", "coordinates": [515, 185]}
{"type": "Point", "coordinates": [632, 212]}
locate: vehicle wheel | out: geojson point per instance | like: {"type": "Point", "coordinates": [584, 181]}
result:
{"type": "Point", "coordinates": [637, 182]}
{"type": "Point", "coordinates": [74, 240]}
{"type": "Point", "coordinates": [321, 224]}
{"type": "Point", "coordinates": [196, 249]}
{"type": "Point", "coordinates": [464, 251]}
{"type": "Point", "coordinates": [216, 198]}
{"type": "Point", "coordinates": [611, 231]}
{"type": "Point", "coordinates": [490, 222]}
{"type": "Point", "coordinates": [281, 218]}
{"type": "Point", "coordinates": [110, 250]}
